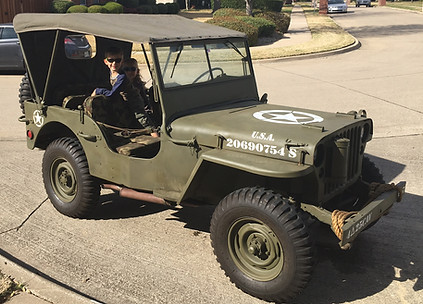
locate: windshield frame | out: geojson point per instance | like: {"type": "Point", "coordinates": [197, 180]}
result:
{"type": "Point", "coordinates": [193, 98]}
{"type": "Point", "coordinates": [166, 68]}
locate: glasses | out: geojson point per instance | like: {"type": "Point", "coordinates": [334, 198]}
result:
{"type": "Point", "coordinates": [127, 69]}
{"type": "Point", "coordinates": [111, 60]}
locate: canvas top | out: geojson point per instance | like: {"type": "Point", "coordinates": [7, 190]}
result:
{"type": "Point", "coordinates": [126, 27]}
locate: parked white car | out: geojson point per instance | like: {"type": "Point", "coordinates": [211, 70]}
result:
{"type": "Point", "coordinates": [337, 6]}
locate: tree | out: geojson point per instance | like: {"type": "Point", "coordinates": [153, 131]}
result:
{"type": "Point", "coordinates": [249, 7]}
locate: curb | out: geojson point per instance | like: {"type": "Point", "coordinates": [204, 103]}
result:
{"type": "Point", "coordinates": [356, 45]}
{"type": "Point", "coordinates": [41, 288]}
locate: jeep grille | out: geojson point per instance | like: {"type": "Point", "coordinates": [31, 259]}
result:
{"type": "Point", "coordinates": [343, 158]}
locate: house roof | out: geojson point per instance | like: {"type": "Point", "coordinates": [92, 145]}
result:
{"type": "Point", "coordinates": [126, 27]}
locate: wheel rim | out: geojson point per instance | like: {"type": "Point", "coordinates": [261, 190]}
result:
{"type": "Point", "coordinates": [63, 180]}
{"type": "Point", "coordinates": [255, 249]}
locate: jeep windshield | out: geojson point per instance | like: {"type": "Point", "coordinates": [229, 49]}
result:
{"type": "Point", "coordinates": [188, 63]}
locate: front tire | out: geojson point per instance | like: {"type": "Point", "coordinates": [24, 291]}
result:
{"type": "Point", "coordinates": [262, 244]}
{"type": "Point", "coordinates": [370, 172]}
{"type": "Point", "coordinates": [69, 185]}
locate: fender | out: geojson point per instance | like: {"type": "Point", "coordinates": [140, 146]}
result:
{"type": "Point", "coordinates": [255, 164]}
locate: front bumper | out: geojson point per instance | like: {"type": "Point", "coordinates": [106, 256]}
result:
{"type": "Point", "coordinates": [362, 219]}
{"type": "Point", "coordinates": [369, 214]}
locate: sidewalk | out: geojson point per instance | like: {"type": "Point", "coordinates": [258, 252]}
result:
{"type": "Point", "coordinates": [298, 31]}
{"type": "Point", "coordinates": [40, 289]}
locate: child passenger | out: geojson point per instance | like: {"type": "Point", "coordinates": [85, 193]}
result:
{"type": "Point", "coordinates": [113, 60]}
{"type": "Point", "coordinates": [136, 93]}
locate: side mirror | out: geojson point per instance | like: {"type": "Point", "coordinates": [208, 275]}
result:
{"type": "Point", "coordinates": [263, 98]}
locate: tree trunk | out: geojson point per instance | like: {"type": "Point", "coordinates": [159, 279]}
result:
{"type": "Point", "coordinates": [249, 7]}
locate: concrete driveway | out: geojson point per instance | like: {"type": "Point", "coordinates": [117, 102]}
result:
{"type": "Point", "coordinates": [133, 252]}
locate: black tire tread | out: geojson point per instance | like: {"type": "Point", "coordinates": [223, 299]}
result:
{"type": "Point", "coordinates": [288, 216]}
{"type": "Point", "coordinates": [90, 188]}
{"type": "Point", "coordinates": [25, 92]}
{"type": "Point", "coordinates": [370, 172]}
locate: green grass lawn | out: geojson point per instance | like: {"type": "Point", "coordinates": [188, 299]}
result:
{"type": "Point", "coordinates": [409, 5]}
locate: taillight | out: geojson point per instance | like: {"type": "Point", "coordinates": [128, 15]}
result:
{"type": "Point", "coordinates": [69, 41]}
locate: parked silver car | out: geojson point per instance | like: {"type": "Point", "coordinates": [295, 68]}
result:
{"type": "Point", "coordinates": [367, 3]}
{"type": "Point", "coordinates": [10, 50]}
{"type": "Point", "coordinates": [337, 6]}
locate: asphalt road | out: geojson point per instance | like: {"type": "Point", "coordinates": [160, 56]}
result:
{"type": "Point", "coordinates": [133, 252]}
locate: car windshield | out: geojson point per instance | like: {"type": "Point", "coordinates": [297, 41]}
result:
{"type": "Point", "coordinates": [8, 33]}
{"type": "Point", "coordinates": [336, 1]}
{"type": "Point", "coordinates": [191, 63]}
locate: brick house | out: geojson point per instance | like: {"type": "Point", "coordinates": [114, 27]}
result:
{"type": "Point", "coordinates": [10, 8]}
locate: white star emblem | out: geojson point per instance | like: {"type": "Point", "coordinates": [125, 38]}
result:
{"type": "Point", "coordinates": [38, 118]}
{"type": "Point", "coordinates": [287, 117]}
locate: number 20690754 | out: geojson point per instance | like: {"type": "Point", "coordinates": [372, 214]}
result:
{"type": "Point", "coordinates": [260, 148]}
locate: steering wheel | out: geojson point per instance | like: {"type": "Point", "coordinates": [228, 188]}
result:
{"type": "Point", "coordinates": [208, 72]}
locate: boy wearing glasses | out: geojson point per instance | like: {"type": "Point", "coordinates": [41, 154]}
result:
{"type": "Point", "coordinates": [113, 60]}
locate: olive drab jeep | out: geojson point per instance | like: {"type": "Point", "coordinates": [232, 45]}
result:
{"type": "Point", "coordinates": [270, 170]}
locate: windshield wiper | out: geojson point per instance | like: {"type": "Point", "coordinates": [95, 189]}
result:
{"type": "Point", "coordinates": [233, 46]}
{"type": "Point", "coordinates": [181, 47]}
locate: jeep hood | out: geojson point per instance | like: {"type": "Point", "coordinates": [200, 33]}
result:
{"type": "Point", "coordinates": [268, 130]}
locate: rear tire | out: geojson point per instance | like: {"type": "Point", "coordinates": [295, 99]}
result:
{"type": "Point", "coordinates": [262, 244]}
{"type": "Point", "coordinates": [69, 185]}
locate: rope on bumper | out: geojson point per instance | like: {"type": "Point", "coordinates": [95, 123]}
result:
{"type": "Point", "coordinates": [339, 217]}
{"type": "Point", "coordinates": [338, 220]}
{"type": "Point", "coordinates": [377, 189]}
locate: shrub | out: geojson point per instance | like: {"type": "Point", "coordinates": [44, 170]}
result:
{"type": "Point", "coordinates": [77, 9]}
{"type": "Point", "coordinates": [113, 7]}
{"type": "Point", "coordinates": [239, 4]}
{"type": "Point", "coordinates": [145, 9]}
{"type": "Point", "coordinates": [128, 3]}
{"type": "Point", "coordinates": [61, 6]}
{"type": "Point", "coordinates": [97, 9]}
{"type": "Point", "coordinates": [229, 12]}
{"type": "Point", "coordinates": [155, 9]}
{"type": "Point", "coordinates": [172, 8]}
{"type": "Point", "coordinates": [237, 25]}
{"type": "Point", "coordinates": [281, 20]}
{"type": "Point", "coordinates": [264, 26]}
{"type": "Point", "coordinates": [147, 2]}
{"type": "Point", "coordinates": [162, 8]}
{"type": "Point", "coordinates": [259, 4]}
{"type": "Point", "coordinates": [274, 5]}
